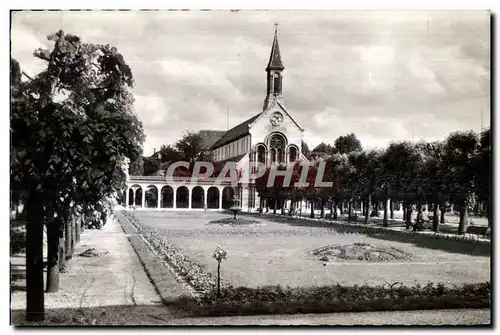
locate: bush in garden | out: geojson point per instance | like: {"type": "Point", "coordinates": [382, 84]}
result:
{"type": "Point", "coordinates": [17, 241]}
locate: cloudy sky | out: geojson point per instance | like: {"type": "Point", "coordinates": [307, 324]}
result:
{"type": "Point", "coordinates": [385, 76]}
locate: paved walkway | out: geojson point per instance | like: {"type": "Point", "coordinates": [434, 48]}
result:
{"type": "Point", "coordinates": [116, 278]}
{"type": "Point", "coordinates": [418, 318]}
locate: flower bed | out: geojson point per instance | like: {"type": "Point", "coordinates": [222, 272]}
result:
{"type": "Point", "coordinates": [335, 298]}
{"type": "Point", "coordinates": [199, 277]}
{"type": "Point", "coordinates": [234, 222]}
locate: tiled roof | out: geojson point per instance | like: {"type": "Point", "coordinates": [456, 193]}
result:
{"type": "Point", "coordinates": [235, 132]}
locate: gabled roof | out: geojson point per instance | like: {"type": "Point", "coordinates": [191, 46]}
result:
{"type": "Point", "coordinates": [272, 105]}
{"type": "Point", "coordinates": [275, 62]}
{"type": "Point", "coordinates": [235, 132]}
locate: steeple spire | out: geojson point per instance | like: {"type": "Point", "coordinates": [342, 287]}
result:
{"type": "Point", "coordinates": [274, 71]}
{"type": "Point", "coordinates": [275, 58]}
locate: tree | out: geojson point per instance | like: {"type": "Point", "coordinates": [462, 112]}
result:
{"type": "Point", "coordinates": [81, 98]}
{"type": "Point", "coordinates": [460, 156]}
{"type": "Point", "coordinates": [136, 167]}
{"type": "Point", "coordinates": [432, 179]}
{"type": "Point", "coordinates": [400, 163]}
{"type": "Point", "coordinates": [482, 169]}
{"type": "Point", "coordinates": [324, 148]}
{"type": "Point", "coordinates": [151, 165]}
{"type": "Point", "coordinates": [347, 143]}
{"type": "Point", "coordinates": [169, 153]}
{"type": "Point", "coordinates": [190, 147]}
{"type": "Point", "coordinates": [368, 167]}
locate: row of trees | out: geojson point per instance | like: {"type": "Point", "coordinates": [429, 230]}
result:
{"type": "Point", "coordinates": [455, 171]}
{"type": "Point", "coordinates": [72, 126]}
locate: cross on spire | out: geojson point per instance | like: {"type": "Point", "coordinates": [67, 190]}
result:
{"type": "Point", "coordinates": [276, 27]}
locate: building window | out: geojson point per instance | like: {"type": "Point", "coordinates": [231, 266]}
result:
{"type": "Point", "coordinates": [292, 152]}
{"type": "Point", "coordinates": [261, 154]}
{"type": "Point", "coordinates": [277, 148]}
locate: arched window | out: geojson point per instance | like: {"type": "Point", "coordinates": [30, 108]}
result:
{"type": "Point", "coordinates": [261, 154]}
{"type": "Point", "coordinates": [292, 154]}
{"type": "Point", "coordinates": [277, 148]}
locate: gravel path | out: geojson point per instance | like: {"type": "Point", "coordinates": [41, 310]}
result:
{"type": "Point", "coordinates": [115, 278]}
{"type": "Point", "coordinates": [439, 317]}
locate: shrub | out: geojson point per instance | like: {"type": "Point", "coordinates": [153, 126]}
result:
{"type": "Point", "coordinates": [17, 241]}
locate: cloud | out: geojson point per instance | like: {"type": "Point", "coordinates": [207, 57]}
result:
{"type": "Point", "coordinates": [384, 75]}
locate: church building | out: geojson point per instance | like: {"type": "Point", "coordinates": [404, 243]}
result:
{"type": "Point", "coordinates": [271, 136]}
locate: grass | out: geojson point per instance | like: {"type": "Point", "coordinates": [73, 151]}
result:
{"type": "Point", "coordinates": [279, 254]}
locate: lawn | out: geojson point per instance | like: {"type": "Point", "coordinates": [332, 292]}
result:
{"type": "Point", "coordinates": [273, 253]}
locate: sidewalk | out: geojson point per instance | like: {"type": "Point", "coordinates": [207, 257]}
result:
{"type": "Point", "coordinates": [114, 278]}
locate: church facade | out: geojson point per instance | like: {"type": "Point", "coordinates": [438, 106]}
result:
{"type": "Point", "coordinates": [271, 136]}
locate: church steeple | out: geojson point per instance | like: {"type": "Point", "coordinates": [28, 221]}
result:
{"type": "Point", "coordinates": [274, 71]}
{"type": "Point", "coordinates": [275, 58]}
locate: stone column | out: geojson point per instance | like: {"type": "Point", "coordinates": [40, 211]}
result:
{"type": "Point", "coordinates": [143, 197]}
{"type": "Point", "coordinates": [245, 197]}
{"type": "Point", "coordinates": [190, 191]}
{"type": "Point", "coordinates": [134, 195]}
{"type": "Point", "coordinates": [127, 196]}
{"type": "Point", "coordinates": [205, 197]}
{"type": "Point", "coordinates": [158, 189]}
{"type": "Point", "coordinates": [174, 205]}
{"type": "Point", "coordinates": [220, 198]}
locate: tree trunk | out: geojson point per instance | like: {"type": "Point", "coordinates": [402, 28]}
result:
{"type": "Point", "coordinates": [312, 209]}
{"type": "Point", "coordinates": [34, 258]}
{"type": "Point", "coordinates": [442, 210]}
{"type": "Point", "coordinates": [67, 238]}
{"type": "Point", "coordinates": [464, 217]}
{"type": "Point", "coordinates": [391, 206]}
{"type": "Point", "coordinates": [435, 218]}
{"type": "Point", "coordinates": [267, 206]}
{"type": "Point", "coordinates": [367, 205]}
{"type": "Point", "coordinates": [78, 226]}
{"type": "Point", "coordinates": [322, 213]}
{"type": "Point", "coordinates": [341, 207]}
{"type": "Point", "coordinates": [385, 222]}
{"type": "Point", "coordinates": [335, 215]}
{"type": "Point", "coordinates": [488, 212]}
{"type": "Point", "coordinates": [52, 257]}
{"type": "Point", "coordinates": [349, 208]}
{"type": "Point", "coordinates": [405, 210]}
{"type": "Point", "coordinates": [73, 235]}
{"type": "Point", "coordinates": [408, 216]}
{"type": "Point", "coordinates": [282, 201]}
{"type": "Point", "coordinates": [418, 224]}
{"type": "Point", "coordinates": [218, 279]}
{"type": "Point", "coordinates": [61, 251]}
{"type": "Point", "coordinates": [275, 205]}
